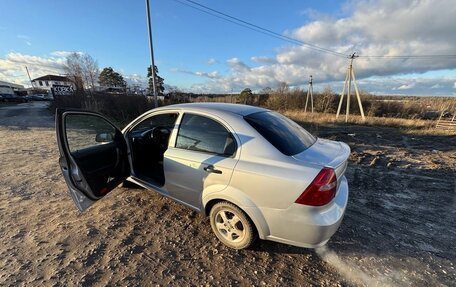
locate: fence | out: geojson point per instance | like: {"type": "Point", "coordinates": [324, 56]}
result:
{"type": "Point", "coordinates": [446, 124]}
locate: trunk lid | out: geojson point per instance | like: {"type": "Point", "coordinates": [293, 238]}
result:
{"type": "Point", "coordinates": [327, 153]}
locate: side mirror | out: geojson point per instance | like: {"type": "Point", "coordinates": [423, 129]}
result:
{"type": "Point", "coordinates": [104, 138]}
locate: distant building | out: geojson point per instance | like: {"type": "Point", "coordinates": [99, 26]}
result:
{"type": "Point", "coordinates": [49, 81]}
{"type": "Point", "coordinates": [11, 88]}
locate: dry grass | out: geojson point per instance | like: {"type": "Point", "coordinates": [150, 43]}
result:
{"type": "Point", "coordinates": [415, 126]}
{"type": "Point", "coordinates": [405, 114]}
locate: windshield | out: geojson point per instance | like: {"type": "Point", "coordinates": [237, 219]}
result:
{"type": "Point", "coordinates": [286, 135]}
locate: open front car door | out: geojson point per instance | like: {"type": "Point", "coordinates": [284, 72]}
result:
{"type": "Point", "coordinates": [93, 155]}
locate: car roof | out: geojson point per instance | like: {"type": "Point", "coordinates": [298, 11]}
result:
{"type": "Point", "coordinates": [242, 110]}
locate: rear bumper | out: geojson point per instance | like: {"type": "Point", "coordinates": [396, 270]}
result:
{"type": "Point", "coordinates": [307, 226]}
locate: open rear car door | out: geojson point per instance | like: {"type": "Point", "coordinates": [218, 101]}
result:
{"type": "Point", "coordinates": [93, 155]}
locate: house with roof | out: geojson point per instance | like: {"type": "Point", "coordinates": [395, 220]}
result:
{"type": "Point", "coordinates": [49, 81]}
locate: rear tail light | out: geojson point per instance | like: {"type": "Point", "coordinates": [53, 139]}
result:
{"type": "Point", "coordinates": [322, 189]}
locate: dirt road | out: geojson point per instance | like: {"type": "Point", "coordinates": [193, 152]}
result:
{"type": "Point", "coordinates": [399, 228]}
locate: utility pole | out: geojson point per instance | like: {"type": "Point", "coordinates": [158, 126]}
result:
{"type": "Point", "coordinates": [350, 76]}
{"type": "Point", "coordinates": [31, 83]}
{"type": "Point", "coordinates": [310, 93]}
{"type": "Point", "coordinates": [151, 46]}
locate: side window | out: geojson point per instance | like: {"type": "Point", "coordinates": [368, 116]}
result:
{"type": "Point", "coordinates": [200, 133]}
{"type": "Point", "coordinates": [85, 131]}
{"type": "Point", "coordinates": [163, 120]}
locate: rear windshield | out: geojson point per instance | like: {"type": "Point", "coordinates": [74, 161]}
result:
{"type": "Point", "coordinates": [287, 136]}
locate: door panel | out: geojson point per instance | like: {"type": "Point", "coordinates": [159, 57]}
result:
{"type": "Point", "coordinates": [186, 177]}
{"type": "Point", "coordinates": [93, 155]}
{"type": "Point", "coordinates": [204, 156]}
{"type": "Point", "coordinates": [101, 165]}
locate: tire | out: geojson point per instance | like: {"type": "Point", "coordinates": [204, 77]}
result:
{"type": "Point", "coordinates": [232, 226]}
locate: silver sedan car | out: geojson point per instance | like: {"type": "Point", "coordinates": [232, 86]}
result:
{"type": "Point", "coordinates": [254, 172]}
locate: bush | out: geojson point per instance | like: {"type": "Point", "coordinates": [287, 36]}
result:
{"type": "Point", "coordinates": [124, 108]}
{"type": "Point", "coordinates": [121, 109]}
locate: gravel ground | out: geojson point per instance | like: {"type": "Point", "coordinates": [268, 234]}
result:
{"type": "Point", "coordinates": [399, 229]}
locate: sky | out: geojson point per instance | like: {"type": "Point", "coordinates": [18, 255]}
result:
{"type": "Point", "coordinates": [198, 52]}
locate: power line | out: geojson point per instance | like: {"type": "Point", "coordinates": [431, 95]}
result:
{"type": "Point", "coordinates": [268, 32]}
{"type": "Point", "coordinates": [255, 27]}
{"type": "Point", "coordinates": [228, 20]}
{"type": "Point", "coordinates": [407, 56]}
{"type": "Point", "coordinates": [401, 57]}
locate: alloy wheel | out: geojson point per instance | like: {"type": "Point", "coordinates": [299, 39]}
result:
{"type": "Point", "coordinates": [230, 225]}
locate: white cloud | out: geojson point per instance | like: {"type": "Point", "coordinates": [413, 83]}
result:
{"type": "Point", "coordinates": [210, 75]}
{"type": "Point", "coordinates": [382, 27]}
{"type": "Point", "coordinates": [64, 53]}
{"type": "Point", "coordinates": [237, 65]}
{"type": "Point", "coordinates": [406, 86]}
{"type": "Point", "coordinates": [136, 80]}
{"type": "Point", "coordinates": [212, 61]}
{"type": "Point", "coordinates": [312, 14]}
{"type": "Point", "coordinates": [12, 67]}
{"type": "Point", "coordinates": [263, 59]}
{"type": "Point", "coordinates": [420, 85]}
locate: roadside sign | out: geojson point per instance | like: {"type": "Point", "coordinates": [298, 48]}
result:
{"type": "Point", "coordinates": [61, 90]}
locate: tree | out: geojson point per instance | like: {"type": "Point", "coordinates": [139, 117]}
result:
{"type": "Point", "coordinates": [282, 88]}
{"type": "Point", "coordinates": [266, 91]}
{"type": "Point", "coordinates": [82, 69]}
{"type": "Point", "coordinates": [158, 80]}
{"type": "Point", "coordinates": [324, 100]}
{"type": "Point", "coordinates": [245, 96]}
{"type": "Point", "coordinates": [110, 78]}
{"type": "Point", "coordinates": [279, 97]}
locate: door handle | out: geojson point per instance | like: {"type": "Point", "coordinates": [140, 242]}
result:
{"type": "Point", "coordinates": [211, 169]}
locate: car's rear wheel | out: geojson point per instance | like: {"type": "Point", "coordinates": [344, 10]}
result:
{"type": "Point", "coordinates": [232, 226]}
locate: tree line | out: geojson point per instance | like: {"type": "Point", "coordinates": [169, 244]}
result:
{"type": "Point", "coordinates": [85, 73]}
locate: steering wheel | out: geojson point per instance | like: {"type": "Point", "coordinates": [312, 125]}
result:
{"type": "Point", "coordinates": [160, 136]}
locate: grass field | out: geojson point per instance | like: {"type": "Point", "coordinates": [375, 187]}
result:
{"type": "Point", "coordinates": [408, 125]}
